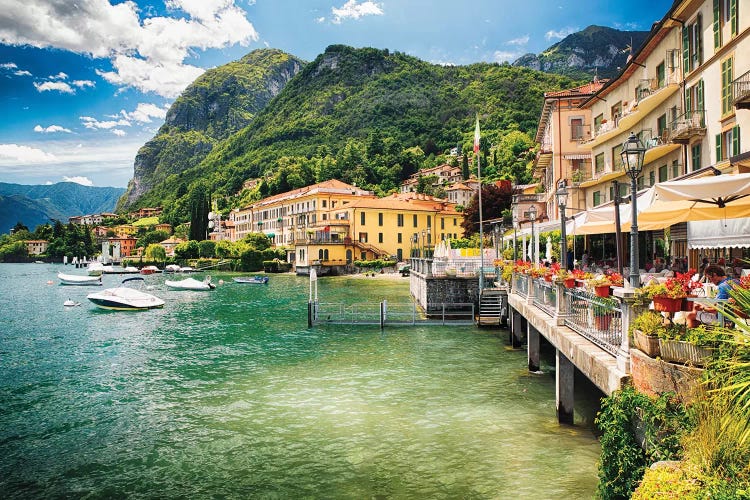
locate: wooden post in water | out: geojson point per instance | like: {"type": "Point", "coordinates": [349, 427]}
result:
{"type": "Point", "coordinates": [309, 314]}
{"type": "Point", "coordinates": [564, 382]}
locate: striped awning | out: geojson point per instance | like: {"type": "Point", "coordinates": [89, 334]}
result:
{"type": "Point", "coordinates": [577, 156]}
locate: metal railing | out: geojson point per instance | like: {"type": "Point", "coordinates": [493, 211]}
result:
{"type": "Point", "coordinates": [391, 314]}
{"type": "Point", "coordinates": [598, 319]}
{"type": "Point", "coordinates": [520, 285]}
{"type": "Point", "coordinates": [741, 88]}
{"type": "Point", "coordinates": [545, 296]}
{"type": "Point", "coordinates": [687, 123]}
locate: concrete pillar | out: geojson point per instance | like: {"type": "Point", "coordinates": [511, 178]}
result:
{"type": "Point", "coordinates": [530, 288]}
{"type": "Point", "coordinates": [561, 303]}
{"type": "Point", "coordinates": [533, 341]}
{"type": "Point", "coordinates": [629, 312]}
{"type": "Point", "coordinates": [564, 385]}
{"type": "Point", "coordinates": [517, 330]}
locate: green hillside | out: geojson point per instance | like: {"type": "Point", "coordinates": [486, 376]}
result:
{"type": "Point", "coordinates": [367, 116]}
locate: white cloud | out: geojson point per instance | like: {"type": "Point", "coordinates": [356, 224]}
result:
{"type": "Point", "coordinates": [9, 65]}
{"type": "Point", "coordinates": [146, 54]}
{"type": "Point", "coordinates": [144, 112]}
{"type": "Point", "coordinates": [521, 40]}
{"type": "Point", "coordinates": [505, 56]}
{"type": "Point", "coordinates": [119, 132]}
{"type": "Point", "coordinates": [560, 34]}
{"type": "Point", "coordinates": [24, 154]}
{"type": "Point", "coordinates": [93, 124]}
{"type": "Point", "coordinates": [58, 86]}
{"type": "Point", "coordinates": [83, 83]}
{"type": "Point", "coordinates": [353, 10]}
{"type": "Point", "coordinates": [320, 20]}
{"type": "Point", "coordinates": [22, 72]}
{"type": "Point", "coordinates": [78, 179]}
{"type": "Point", "coordinates": [51, 129]}
{"type": "Point", "coordinates": [59, 76]}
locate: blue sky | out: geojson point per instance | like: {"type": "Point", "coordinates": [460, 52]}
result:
{"type": "Point", "coordinates": [85, 83]}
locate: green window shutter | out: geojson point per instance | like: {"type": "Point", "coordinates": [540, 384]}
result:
{"type": "Point", "coordinates": [717, 25]}
{"type": "Point", "coordinates": [699, 37]}
{"type": "Point", "coordinates": [718, 148]}
{"type": "Point", "coordinates": [733, 16]}
{"type": "Point", "coordinates": [685, 50]}
{"type": "Point", "coordinates": [735, 140]}
{"type": "Point", "coordinates": [700, 105]}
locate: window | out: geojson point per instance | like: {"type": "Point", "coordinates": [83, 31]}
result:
{"type": "Point", "coordinates": [675, 168]}
{"type": "Point", "coordinates": [400, 220]}
{"type": "Point", "coordinates": [663, 173]}
{"type": "Point", "coordinates": [454, 221]}
{"type": "Point", "coordinates": [617, 157]}
{"type": "Point", "coordinates": [380, 218]}
{"type": "Point", "coordinates": [692, 45]}
{"type": "Point", "coordinates": [576, 129]}
{"type": "Point", "coordinates": [695, 156]}
{"type": "Point", "coordinates": [651, 178]}
{"type": "Point", "coordinates": [726, 85]}
{"type": "Point", "coordinates": [380, 237]}
{"type": "Point", "coordinates": [597, 199]}
{"type": "Point", "coordinates": [362, 218]}
{"type": "Point", "coordinates": [324, 203]}
{"type": "Point", "coordinates": [616, 111]}
{"type": "Point", "coordinates": [598, 122]}
{"type": "Point", "coordinates": [363, 237]}
{"type": "Point", "coordinates": [728, 143]}
{"type": "Point", "coordinates": [415, 220]}
{"type": "Point", "coordinates": [599, 163]}
{"type": "Point", "coordinates": [363, 255]}
{"type": "Point", "coordinates": [442, 223]}
{"type": "Point", "coordinates": [661, 74]}
{"type": "Point", "coordinates": [724, 13]}
{"type": "Point", "coordinates": [398, 238]}
{"type": "Point", "coordinates": [639, 183]}
{"type": "Point", "coordinates": [399, 254]}
{"type": "Point", "coordinates": [661, 125]}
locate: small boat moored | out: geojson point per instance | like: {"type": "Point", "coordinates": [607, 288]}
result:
{"type": "Point", "coordinates": [191, 284]}
{"type": "Point", "coordinates": [80, 280]}
{"type": "Point", "coordinates": [149, 270]}
{"type": "Point", "coordinates": [70, 303]}
{"type": "Point", "coordinates": [253, 280]}
{"type": "Point", "coordinates": [124, 298]}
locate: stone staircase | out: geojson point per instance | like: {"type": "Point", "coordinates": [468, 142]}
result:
{"type": "Point", "coordinates": [491, 307]}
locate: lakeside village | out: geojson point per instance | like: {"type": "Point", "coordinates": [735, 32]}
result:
{"type": "Point", "coordinates": [629, 255]}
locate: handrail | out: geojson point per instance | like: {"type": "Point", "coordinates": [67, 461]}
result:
{"type": "Point", "coordinates": [741, 87]}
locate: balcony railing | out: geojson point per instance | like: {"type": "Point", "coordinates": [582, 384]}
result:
{"type": "Point", "coordinates": [741, 91]}
{"type": "Point", "coordinates": [687, 126]}
{"type": "Point", "coordinates": [545, 296]}
{"type": "Point", "coordinates": [599, 319]}
{"type": "Point", "coordinates": [580, 132]}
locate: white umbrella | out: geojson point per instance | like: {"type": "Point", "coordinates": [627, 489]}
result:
{"type": "Point", "coordinates": [448, 251]}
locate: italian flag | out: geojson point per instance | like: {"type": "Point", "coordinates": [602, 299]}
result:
{"type": "Point", "coordinates": [476, 136]}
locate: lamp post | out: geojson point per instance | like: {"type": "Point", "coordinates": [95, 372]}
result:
{"type": "Point", "coordinates": [515, 228]}
{"type": "Point", "coordinates": [618, 230]}
{"type": "Point", "coordinates": [424, 236]}
{"type": "Point", "coordinates": [562, 201]}
{"type": "Point", "coordinates": [496, 232]}
{"type": "Point", "coordinates": [632, 158]}
{"type": "Point", "coordinates": [429, 242]}
{"type": "Point", "coordinates": [531, 214]}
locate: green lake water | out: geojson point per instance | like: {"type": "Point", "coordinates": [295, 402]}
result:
{"type": "Point", "coordinates": [228, 394]}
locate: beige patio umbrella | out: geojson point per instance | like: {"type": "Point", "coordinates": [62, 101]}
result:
{"type": "Point", "coordinates": [705, 198]}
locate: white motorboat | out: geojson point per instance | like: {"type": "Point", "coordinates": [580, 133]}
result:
{"type": "Point", "coordinates": [78, 279]}
{"type": "Point", "coordinates": [130, 270]}
{"type": "Point", "coordinates": [95, 268]}
{"type": "Point", "coordinates": [171, 268]}
{"type": "Point", "coordinates": [149, 270]}
{"type": "Point", "coordinates": [71, 303]}
{"type": "Point", "coordinates": [191, 284]}
{"type": "Point", "coordinates": [124, 298]}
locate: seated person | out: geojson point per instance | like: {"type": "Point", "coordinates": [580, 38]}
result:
{"type": "Point", "coordinates": [706, 314]}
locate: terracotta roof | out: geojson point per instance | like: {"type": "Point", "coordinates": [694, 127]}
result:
{"type": "Point", "coordinates": [295, 193]}
{"type": "Point", "coordinates": [459, 185]}
{"type": "Point", "coordinates": [394, 202]}
{"type": "Point", "coordinates": [586, 89]}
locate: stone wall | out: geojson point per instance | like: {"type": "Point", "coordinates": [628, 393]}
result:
{"type": "Point", "coordinates": [656, 377]}
{"type": "Point", "coordinates": [438, 290]}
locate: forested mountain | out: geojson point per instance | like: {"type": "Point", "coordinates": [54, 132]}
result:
{"type": "Point", "coordinates": [596, 50]}
{"type": "Point", "coordinates": [220, 102]}
{"type": "Point", "coordinates": [367, 116]}
{"type": "Point", "coordinates": [37, 204]}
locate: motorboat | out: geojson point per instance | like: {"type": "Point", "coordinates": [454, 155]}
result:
{"type": "Point", "coordinates": [71, 303]}
{"type": "Point", "coordinates": [125, 298]}
{"type": "Point", "coordinates": [171, 268]}
{"type": "Point", "coordinates": [95, 268]}
{"type": "Point", "coordinates": [149, 270]}
{"type": "Point", "coordinates": [252, 280]}
{"type": "Point", "coordinates": [130, 270]}
{"type": "Point", "coordinates": [188, 269]}
{"type": "Point", "coordinates": [191, 284]}
{"type": "Point", "coordinates": [78, 279]}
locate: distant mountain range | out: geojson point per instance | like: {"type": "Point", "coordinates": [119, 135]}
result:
{"type": "Point", "coordinates": [37, 204]}
{"type": "Point", "coordinates": [597, 50]}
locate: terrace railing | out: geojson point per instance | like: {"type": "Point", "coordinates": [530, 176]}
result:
{"type": "Point", "coordinates": [599, 319]}
{"type": "Point", "coordinates": [520, 285]}
{"type": "Point", "coordinates": [545, 296]}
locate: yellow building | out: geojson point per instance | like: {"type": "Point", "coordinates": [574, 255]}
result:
{"type": "Point", "coordinates": [332, 224]}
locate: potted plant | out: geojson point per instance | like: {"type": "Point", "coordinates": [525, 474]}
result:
{"type": "Point", "coordinates": [603, 308]}
{"type": "Point", "coordinates": [599, 284]}
{"type": "Point", "coordinates": [566, 277]}
{"type": "Point", "coordinates": [693, 346]}
{"type": "Point", "coordinates": [668, 296]}
{"type": "Point", "coordinates": [645, 331]}
{"type": "Point", "coordinates": [581, 276]}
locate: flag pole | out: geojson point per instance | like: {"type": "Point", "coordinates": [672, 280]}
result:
{"type": "Point", "coordinates": [481, 222]}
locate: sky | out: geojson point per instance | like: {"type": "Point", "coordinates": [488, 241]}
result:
{"type": "Point", "coordinates": [85, 83]}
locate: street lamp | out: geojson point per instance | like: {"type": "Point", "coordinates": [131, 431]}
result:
{"type": "Point", "coordinates": [496, 230]}
{"type": "Point", "coordinates": [632, 159]}
{"type": "Point", "coordinates": [562, 201]}
{"type": "Point", "coordinates": [515, 228]}
{"type": "Point", "coordinates": [532, 217]}
{"type": "Point", "coordinates": [424, 236]}
{"type": "Point", "coordinates": [618, 227]}
{"type": "Point", "coordinates": [429, 242]}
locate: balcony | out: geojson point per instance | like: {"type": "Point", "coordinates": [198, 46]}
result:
{"type": "Point", "coordinates": [741, 92]}
{"type": "Point", "coordinates": [687, 126]}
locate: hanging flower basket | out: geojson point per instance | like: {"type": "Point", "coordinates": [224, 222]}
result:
{"type": "Point", "coordinates": [601, 290]}
{"type": "Point", "coordinates": [679, 351]}
{"type": "Point", "coordinates": [667, 304]}
{"type": "Point", "coordinates": [569, 282]}
{"type": "Point", "coordinates": [649, 344]}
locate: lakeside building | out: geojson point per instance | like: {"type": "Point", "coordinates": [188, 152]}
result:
{"type": "Point", "coordinates": [36, 247]}
{"type": "Point", "coordinates": [118, 248]}
{"type": "Point", "coordinates": [445, 176]}
{"type": "Point", "coordinates": [332, 224]}
{"type": "Point", "coordinates": [685, 93]}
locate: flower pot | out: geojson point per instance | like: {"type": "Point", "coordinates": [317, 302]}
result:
{"type": "Point", "coordinates": [667, 304]}
{"type": "Point", "coordinates": [601, 290]}
{"type": "Point", "coordinates": [602, 322]}
{"type": "Point", "coordinates": [548, 277]}
{"type": "Point", "coordinates": [679, 351]}
{"type": "Point", "coordinates": [569, 282]}
{"type": "Point", "coordinates": [649, 344]}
